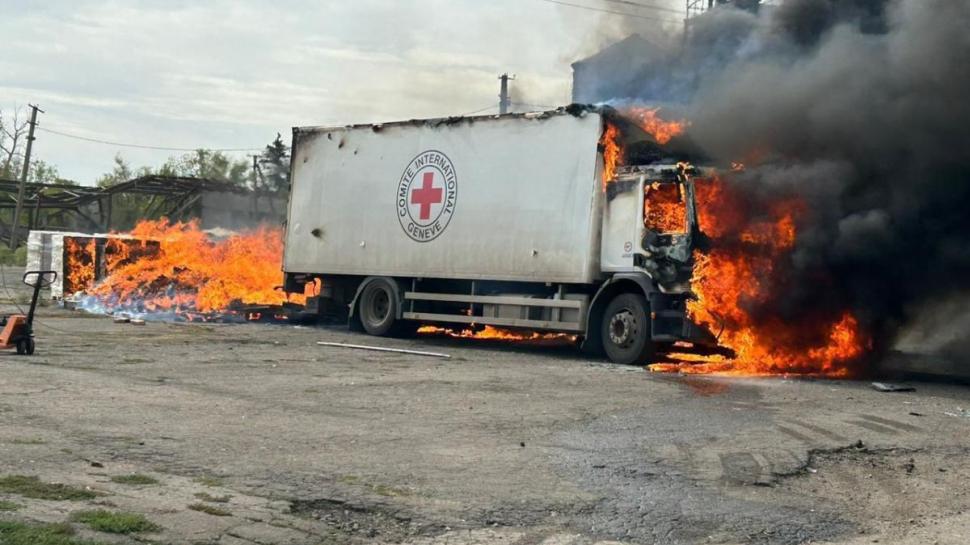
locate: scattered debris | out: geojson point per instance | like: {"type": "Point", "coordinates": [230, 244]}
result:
{"type": "Point", "coordinates": [913, 413]}
{"type": "Point", "coordinates": [960, 413]}
{"type": "Point", "coordinates": [383, 349]}
{"type": "Point", "coordinates": [889, 387]}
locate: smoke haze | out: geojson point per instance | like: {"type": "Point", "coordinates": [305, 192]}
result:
{"type": "Point", "coordinates": [860, 109]}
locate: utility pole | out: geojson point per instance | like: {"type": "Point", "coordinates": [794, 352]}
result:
{"type": "Point", "coordinates": [504, 100]}
{"type": "Point", "coordinates": [255, 172]}
{"type": "Point", "coordinates": [23, 177]}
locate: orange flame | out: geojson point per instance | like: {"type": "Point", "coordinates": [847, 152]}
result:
{"type": "Point", "coordinates": [489, 332]}
{"type": "Point", "coordinates": [661, 130]}
{"type": "Point", "coordinates": [177, 267]}
{"type": "Point", "coordinates": [647, 119]}
{"type": "Point", "coordinates": [665, 211]}
{"type": "Point", "coordinates": [80, 253]}
{"type": "Point", "coordinates": [737, 275]}
{"type": "Point", "coordinates": [612, 152]}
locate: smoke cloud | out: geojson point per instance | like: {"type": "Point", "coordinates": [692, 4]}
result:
{"type": "Point", "coordinates": [860, 109]}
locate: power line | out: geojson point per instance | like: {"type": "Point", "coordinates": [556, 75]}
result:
{"type": "Point", "coordinates": [139, 146]}
{"type": "Point", "coordinates": [646, 6]}
{"type": "Point", "coordinates": [625, 14]}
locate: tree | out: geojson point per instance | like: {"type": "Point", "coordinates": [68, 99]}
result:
{"type": "Point", "coordinates": [120, 173]}
{"type": "Point", "coordinates": [42, 172]}
{"type": "Point", "coordinates": [275, 162]}
{"type": "Point", "coordinates": [202, 163]}
{"type": "Point", "coordinates": [13, 132]}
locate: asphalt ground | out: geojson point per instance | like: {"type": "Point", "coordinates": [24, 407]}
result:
{"type": "Point", "coordinates": [287, 441]}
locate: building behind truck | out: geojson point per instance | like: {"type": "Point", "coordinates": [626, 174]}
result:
{"type": "Point", "coordinates": [494, 220]}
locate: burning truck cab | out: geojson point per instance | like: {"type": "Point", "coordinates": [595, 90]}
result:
{"type": "Point", "coordinates": [521, 221]}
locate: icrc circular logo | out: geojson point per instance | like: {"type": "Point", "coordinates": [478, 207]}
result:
{"type": "Point", "coordinates": [426, 196]}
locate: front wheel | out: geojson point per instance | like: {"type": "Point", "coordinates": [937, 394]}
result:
{"type": "Point", "coordinates": [626, 330]}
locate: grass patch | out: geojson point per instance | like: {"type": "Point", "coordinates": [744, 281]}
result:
{"type": "Point", "coordinates": [28, 441]}
{"type": "Point", "coordinates": [210, 510]}
{"type": "Point", "coordinates": [134, 361]}
{"type": "Point", "coordinates": [9, 505]}
{"type": "Point", "coordinates": [134, 479]}
{"type": "Point", "coordinates": [32, 487]}
{"type": "Point", "coordinates": [204, 496]}
{"type": "Point", "coordinates": [115, 522]}
{"type": "Point", "coordinates": [389, 491]}
{"type": "Point", "coordinates": [19, 533]}
{"type": "Point", "coordinates": [208, 480]}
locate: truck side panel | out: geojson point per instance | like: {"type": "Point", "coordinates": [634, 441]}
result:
{"type": "Point", "coordinates": [508, 198]}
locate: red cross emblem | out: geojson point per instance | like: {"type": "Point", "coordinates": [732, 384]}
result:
{"type": "Point", "coordinates": [427, 195]}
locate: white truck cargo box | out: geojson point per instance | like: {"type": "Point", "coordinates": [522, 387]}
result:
{"type": "Point", "coordinates": [513, 198]}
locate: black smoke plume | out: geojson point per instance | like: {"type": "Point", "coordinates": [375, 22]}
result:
{"type": "Point", "coordinates": [862, 110]}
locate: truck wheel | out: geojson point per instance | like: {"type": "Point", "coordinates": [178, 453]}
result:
{"type": "Point", "coordinates": [377, 308]}
{"type": "Point", "coordinates": [626, 330]}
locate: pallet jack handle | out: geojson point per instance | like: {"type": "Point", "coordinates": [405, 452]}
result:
{"type": "Point", "coordinates": [40, 283]}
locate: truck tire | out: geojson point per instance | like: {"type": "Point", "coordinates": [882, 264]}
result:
{"type": "Point", "coordinates": [377, 308]}
{"type": "Point", "coordinates": [626, 330]}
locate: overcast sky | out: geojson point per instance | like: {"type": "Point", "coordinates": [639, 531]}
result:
{"type": "Point", "coordinates": [233, 73]}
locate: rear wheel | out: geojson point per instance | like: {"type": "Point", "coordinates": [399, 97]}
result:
{"type": "Point", "coordinates": [625, 330]}
{"type": "Point", "coordinates": [378, 307]}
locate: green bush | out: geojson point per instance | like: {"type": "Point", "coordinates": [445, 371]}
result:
{"type": "Point", "coordinates": [13, 257]}
{"type": "Point", "coordinates": [20, 256]}
{"type": "Point", "coordinates": [6, 255]}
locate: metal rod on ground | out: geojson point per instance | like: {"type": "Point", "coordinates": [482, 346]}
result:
{"type": "Point", "coordinates": [382, 349]}
{"type": "Point", "coordinates": [23, 177]}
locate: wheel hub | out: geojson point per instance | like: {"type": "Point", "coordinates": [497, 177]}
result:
{"type": "Point", "coordinates": [623, 328]}
{"type": "Point", "coordinates": [380, 306]}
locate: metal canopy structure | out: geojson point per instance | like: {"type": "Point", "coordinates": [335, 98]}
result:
{"type": "Point", "coordinates": [74, 207]}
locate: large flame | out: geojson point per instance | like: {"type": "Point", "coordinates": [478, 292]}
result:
{"type": "Point", "coordinates": [176, 267]}
{"type": "Point", "coordinates": [647, 119]}
{"type": "Point", "coordinates": [660, 129]}
{"type": "Point", "coordinates": [745, 270]}
{"type": "Point", "coordinates": [612, 152]}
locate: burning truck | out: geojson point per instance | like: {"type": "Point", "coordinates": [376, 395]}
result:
{"type": "Point", "coordinates": [522, 221]}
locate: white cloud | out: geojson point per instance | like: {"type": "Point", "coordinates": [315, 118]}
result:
{"type": "Point", "coordinates": [233, 73]}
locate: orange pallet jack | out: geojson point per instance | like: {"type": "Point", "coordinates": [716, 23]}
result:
{"type": "Point", "coordinates": [18, 330]}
